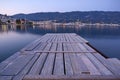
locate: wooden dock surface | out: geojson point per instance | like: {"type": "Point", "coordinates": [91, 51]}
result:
{"type": "Point", "coordinates": [64, 56]}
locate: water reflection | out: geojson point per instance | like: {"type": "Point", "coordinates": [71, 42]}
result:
{"type": "Point", "coordinates": [105, 38]}
{"type": "Point", "coordinates": [82, 30]}
{"type": "Point", "coordinates": [85, 31]}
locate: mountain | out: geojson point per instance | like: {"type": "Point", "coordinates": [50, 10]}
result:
{"type": "Point", "coordinates": [87, 17]}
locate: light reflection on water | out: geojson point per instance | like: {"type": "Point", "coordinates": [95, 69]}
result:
{"type": "Point", "coordinates": [105, 38]}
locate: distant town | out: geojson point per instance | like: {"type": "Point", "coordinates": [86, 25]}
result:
{"type": "Point", "coordinates": [4, 20]}
{"type": "Point", "coordinates": [80, 19]}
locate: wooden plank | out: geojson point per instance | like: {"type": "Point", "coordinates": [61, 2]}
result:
{"type": "Point", "coordinates": [89, 48]}
{"type": "Point", "coordinates": [76, 48]}
{"type": "Point", "coordinates": [81, 39]}
{"type": "Point", "coordinates": [53, 47]}
{"type": "Point", "coordinates": [34, 44]}
{"type": "Point", "coordinates": [49, 62]}
{"type": "Point", "coordinates": [62, 38]}
{"type": "Point", "coordinates": [70, 38]}
{"type": "Point", "coordinates": [93, 70]}
{"type": "Point", "coordinates": [24, 71]}
{"type": "Point", "coordinates": [78, 39]}
{"type": "Point", "coordinates": [62, 52]}
{"type": "Point", "coordinates": [103, 70]}
{"type": "Point", "coordinates": [74, 77]}
{"type": "Point", "coordinates": [81, 64]}
{"type": "Point", "coordinates": [8, 60]}
{"type": "Point", "coordinates": [5, 77]}
{"type": "Point", "coordinates": [46, 38]}
{"type": "Point", "coordinates": [83, 68]}
{"type": "Point", "coordinates": [56, 38]}
{"type": "Point", "coordinates": [110, 66]}
{"type": "Point", "coordinates": [37, 67]}
{"type": "Point", "coordinates": [48, 46]}
{"type": "Point", "coordinates": [51, 37]}
{"type": "Point", "coordinates": [41, 47]}
{"type": "Point", "coordinates": [114, 60]}
{"type": "Point", "coordinates": [82, 48]}
{"type": "Point", "coordinates": [17, 65]}
{"type": "Point", "coordinates": [59, 64]}
{"type": "Point", "coordinates": [73, 58]}
{"type": "Point", "coordinates": [68, 66]}
{"type": "Point", "coordinates": [66, 38]}
{"type": "Point", "coordinates": [99, 56]}
{"type": "Point", "coordinates": [74, 62]}
{"type": "Point", "coordinates": [48, 65]}
{"type": "Point", "coordinates": [62, 57]}
{"type": "Point", "coordinates": [29, 45]}
{"type": "Point", "coordinates": [73, 37]}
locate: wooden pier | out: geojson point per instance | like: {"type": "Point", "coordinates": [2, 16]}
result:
{"type": "Point", "coordinates": [59, 57]}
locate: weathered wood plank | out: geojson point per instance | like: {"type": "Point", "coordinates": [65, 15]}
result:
{"type": "Point", "coordinates": [81, 64]}
{"type": "Point", "coordinates": [29, 45]}
{"type": "Point", "coordinates": [89, 48]}
{"type": "Point", "coordinates": [81, 39]}
{"type": "Point", "coordinates": [117, 61]}
{"type": "Point", "coordinates": [63, 38]}
{"type": "Point", "coordinates": [74, 62]}
{"type": "Point", "coordinates": [73, 37]}
{"type": "Point", "coordinates": [74, 77]}
{"type": "Point", "coordinates": [8, 60]}
{"type": "Point", "coordinates": [68, 66]}
{"type": "Point", "coordinates": [54, 38]}
{"type": "Point", "coordinates": [66, 38]}
{"type": "Point", "coordinates": [48, 65]}
{"type": "Point", "coordinates": [34, 44]}
{"type": "Point", "coordinates": [70, 39]}
{"type": "Point", "coordinates": [51, 38]}
{"type": "Point", "coordinates": [103, 70]}
{"type": "Point", "coordinates": [26, 69]}
{"type": "Point", "coordinates": [83, 48]}
{"type": "Point", "coordinates": [5, 77]}
{"type": "Point", "coordinates": [93, 70]}
{"type": "Point", "coordinates": [59, 64]}
{"type": "Point", "coordinates": [49, 62]}
{"type": "Point", "coordinates": [62, 57]}
{"type": "Point", "coordinates": [40, 47]}
{"type": "Point", "coordinates": [82, 67]}
{"type": "Point", "coordinates": [47, 47]}
{"type": "Point", "coordinates": [110, 66]}
{"type": "Point", "coordinates": [17, 65]}
{"type": "Point", "coordinates": [36, 68]}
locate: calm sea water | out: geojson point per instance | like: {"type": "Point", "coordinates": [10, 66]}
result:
{"type": "Point", "coordinates": [106, 39]}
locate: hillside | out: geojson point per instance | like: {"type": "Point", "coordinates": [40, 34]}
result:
{"type": "Point", "coordinates": [87, 17]}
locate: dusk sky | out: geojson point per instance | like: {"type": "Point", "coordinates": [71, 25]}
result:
{"type": "Point", "coordinates": [11, 7]}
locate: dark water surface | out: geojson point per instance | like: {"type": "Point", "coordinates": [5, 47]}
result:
{"type": "Point", "coordinates": [104, 38]}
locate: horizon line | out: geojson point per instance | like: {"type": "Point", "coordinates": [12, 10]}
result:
{"type": "Point", "coordinates": [57, 12]}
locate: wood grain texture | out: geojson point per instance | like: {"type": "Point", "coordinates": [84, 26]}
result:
{"type": "Point", "coordinates": [59, 56]}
